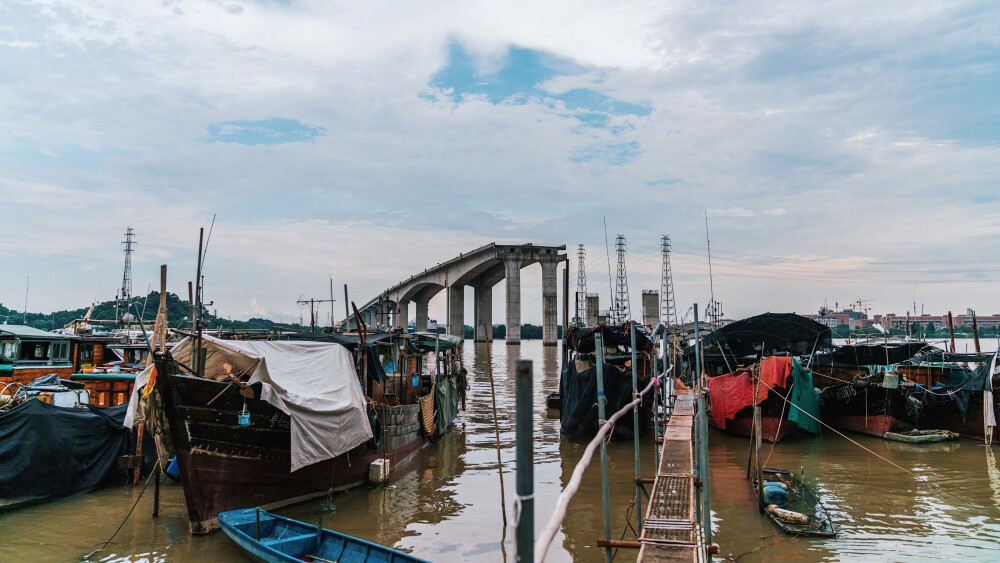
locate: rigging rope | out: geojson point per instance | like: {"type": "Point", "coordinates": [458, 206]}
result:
{"type": "Point", "coordinates": [904, 470]}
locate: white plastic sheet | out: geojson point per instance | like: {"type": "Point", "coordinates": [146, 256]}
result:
{"type": "Point", "coordinates": [315, 383]}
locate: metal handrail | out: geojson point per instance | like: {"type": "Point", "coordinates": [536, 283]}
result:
{"type": "Point", "coordinates": [562, 504]}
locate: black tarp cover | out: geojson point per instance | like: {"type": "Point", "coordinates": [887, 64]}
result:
{"type": "Point", "coordinates": [578, 395]}
{"type": "Point", "coordinates": [47, 452]}
{"type": "Point", "coordinates": [778, 332]}
{"type": "Point", "coordinates": [581, 339]}
{"type": "Point", "coordinates": [878, 354]}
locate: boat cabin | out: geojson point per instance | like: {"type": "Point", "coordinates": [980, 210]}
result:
{"type": "Point", "coordinates": [27, 353]}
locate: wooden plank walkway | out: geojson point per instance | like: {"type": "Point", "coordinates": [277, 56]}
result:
{"type": "Point", "coordinates": [670, 531]}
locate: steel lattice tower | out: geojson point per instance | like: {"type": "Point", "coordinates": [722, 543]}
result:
{"type": "Point", "coordinates": [622, 310]}
{"type": "Point", "coordinates": [668, 305]}
{"type": "Point", "coordinates": [581, 284]}
{"type": "Point", "coordinates": [126, 291]}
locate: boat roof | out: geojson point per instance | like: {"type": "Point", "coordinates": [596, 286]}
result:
{"type": "Point", "coordinates": [786, 332]}
{"type": "Point", "coordinates": [28, 332]}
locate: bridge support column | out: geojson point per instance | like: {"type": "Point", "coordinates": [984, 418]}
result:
{"type": "Point", "coordinates": [421, 325]}
{"type": "Point", "coordinates": [456, 310]}
{"type": "Point", "coordinates": [549, 310]}
{"type": "Point", "coordinates": [512, 268]}
{"type": "Point", "coordinates": [483, 297]}
{"type": "Point", "coordinates": [403, 315]}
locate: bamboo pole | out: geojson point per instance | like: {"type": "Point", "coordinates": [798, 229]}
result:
{"type": "Point", "coordinates": [496, 425]}
{"type": "Point", "coordinates": [635, 426]}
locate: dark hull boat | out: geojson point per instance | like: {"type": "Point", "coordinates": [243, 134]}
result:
{"type": "Point", "coordinates": [236, 450]}
{"type": "Point", "coordinates": [225, 466]}
{"type": "Point", "coordinates": [871, 388]}
{"type": "Point", "coordinates": [963, 407]}
{"type": "Point", "coordinates": [269, 538]}
{"type": "Point", "coordinates": [577, 396]}
{"type": "Point", "coordinates": [867, 406]}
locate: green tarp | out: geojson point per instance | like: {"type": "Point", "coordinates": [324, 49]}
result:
{"type": "Point", "coordinates": [446, 401]}
{"type": "Point", "coordinates": [805, 398]}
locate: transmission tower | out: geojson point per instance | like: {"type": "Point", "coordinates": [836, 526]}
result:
{"type": "Point", "coordinates": [126, 291]}
{"type": "Point", "coordinates": [581, 284]}
{"type": "Point", "coordinates": [622, 310]}
{"type": "Point", "coordinates": [668, 305]}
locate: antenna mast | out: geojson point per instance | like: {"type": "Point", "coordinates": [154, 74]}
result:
{"type": "Point", "coordinates": [622, 311]}
{"type": "Point", "coordinates": [126, 291]}
{"type": "Point", "coordinates": [668, 305]}
{"type": "Point", "coordinates": [581, 283]}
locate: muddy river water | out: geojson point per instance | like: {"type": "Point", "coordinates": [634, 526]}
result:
{"type": "Point", "coordinates": [445, 504]}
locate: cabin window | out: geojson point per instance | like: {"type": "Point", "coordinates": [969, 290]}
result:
{"type": "Point", "coordinates": [60, 351]}
{"type": "Point", "coordinates": [34, 351]}
{"type": "Point", "coordinates": [8, 350]}
{"type": "Point", "coordinates": [86, 353]}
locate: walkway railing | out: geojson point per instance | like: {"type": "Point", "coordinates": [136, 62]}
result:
{"type": "Point", "coordinates": [562, 504]}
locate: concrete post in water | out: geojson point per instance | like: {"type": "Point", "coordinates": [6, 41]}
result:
{"type": "Point", "coordinates": [456, 310]}
{"type": "Point", "coordinates": [482, 296]}
{"type": "Point", "coordinates": [550, 312]}
{"type": "Point", "coordinates": [601, 400]}
{"type": "Point", "coordinates": [635, 427]}
{"type": "Point", "coordinates": [524, 518]}
{"type": "Point", "coordinates": [421, 322]}
{"type": "Point", "coordinates": [512, 265]}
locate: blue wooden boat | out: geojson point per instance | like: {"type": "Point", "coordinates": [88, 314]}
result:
{"type": "Point", "coordinates": [269, 538]}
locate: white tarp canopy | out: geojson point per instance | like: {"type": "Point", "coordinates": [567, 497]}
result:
{"type": "Point", "coordinates": [314, 383]}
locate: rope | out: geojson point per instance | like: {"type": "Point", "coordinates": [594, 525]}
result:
{"type": "Point", "coordinates": [904, 470]}
{"type": "Point", "coordinates": [120, 526]}
{"type": "Point", "coordinates": [562, 503]}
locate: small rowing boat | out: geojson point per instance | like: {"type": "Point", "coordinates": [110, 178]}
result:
{"type": "Point", "coordinates": [269, 538]}
{"type": "Point", "coordinates": [791, 505]}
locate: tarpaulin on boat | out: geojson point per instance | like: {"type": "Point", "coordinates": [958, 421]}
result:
{"type": "Point", "coordinates": [446, 403]}
{"type": "Point", "coordinates": [578, 395]}
{"type": "Point", "coordinates": [315, 383]}
{"type": "Point", "coordinates": [47, 452]}
{"type": "Point", "coordinates": [768, 333]}
{"type": "Point", "coordinates": [581, 339]}
{"type": "Point", "coordinates": [732, 392]}
{"type": "Point", "coordinates": [878, 354]}
{"type": "Point", "coordinates": [978, 381]}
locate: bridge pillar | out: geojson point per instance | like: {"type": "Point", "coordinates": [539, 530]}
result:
{"type": "Point", "coordinates": [421, 325]}
{"type": "Point", "coordinates": [456, 310]}
{"type": "Point", "coordinates": [483, 297]}
{"type": "Point", "coordinates": [512, 267]}
{"type": "Point", "coordinates": [403, 315]}
{"type": "Point", "coordinates": [549, 310]}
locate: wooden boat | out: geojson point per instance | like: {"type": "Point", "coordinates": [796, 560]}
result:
{"type": "Point", "coordinates": [270, 538]}
{"type": "Point", "coordinates": [234, 449]}
{"type": "Point", "coordinates": [804, 514]}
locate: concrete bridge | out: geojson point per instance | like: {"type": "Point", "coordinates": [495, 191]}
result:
{"type": "Point", "coordinates": [482, 269]}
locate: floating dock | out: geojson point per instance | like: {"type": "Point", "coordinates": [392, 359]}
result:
{"type": "Point", "coordinates": [670, 531]}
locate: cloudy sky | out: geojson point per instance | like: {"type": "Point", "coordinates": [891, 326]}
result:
{"type": "Point", "coordinates": [841, 150]}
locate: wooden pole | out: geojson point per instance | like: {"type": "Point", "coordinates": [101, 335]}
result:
{"type": "Point", "coordinates": [496, 425]}
{"type": "Point", "coordinates": [951, 332]}
{"type": "Point", "coordinates": [156, 491]}
{"type": "Point", "coordinates": [975, 333]}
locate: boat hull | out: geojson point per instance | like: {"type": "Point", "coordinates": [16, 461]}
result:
{"type": "Point", "coordinates": [773, 428]}
{"type": "Point", "coordinates": [226, 466]}
{"type": "Point", "coordinates": [868, 409]}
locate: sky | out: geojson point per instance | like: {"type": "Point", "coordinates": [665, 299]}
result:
{"type": "Point", "coordinates": [836, 151]}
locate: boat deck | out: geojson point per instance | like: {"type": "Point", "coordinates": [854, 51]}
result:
{"type": "Point", "coordinates": [670, 531]}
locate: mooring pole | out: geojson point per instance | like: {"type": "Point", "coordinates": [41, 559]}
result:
{"type": "Point", "coordinates": [635, 429]}
{"type": "Point", "coordinates": [601, 399]}
{"type": "Point", "coordinates": [702, 436]}
{"type": "Point", "coordinates": [656, 409]}
{"type": "Point", "coordinates": [156, 489]}
{"type": "Point", "coordinates": [524, 514]}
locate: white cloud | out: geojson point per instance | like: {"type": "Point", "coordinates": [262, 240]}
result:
{"type": "Point", "coordinates": [827, 126]}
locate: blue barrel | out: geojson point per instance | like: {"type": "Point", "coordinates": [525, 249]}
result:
{"type": "Point", "coordinates": [775, 493]}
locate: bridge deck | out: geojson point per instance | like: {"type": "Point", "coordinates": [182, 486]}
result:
{"type": "Point", "coordinates": [670, 529]}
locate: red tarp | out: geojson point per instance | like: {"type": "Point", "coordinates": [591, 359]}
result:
{"type": "Point", "coordinates": [732, 392]}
